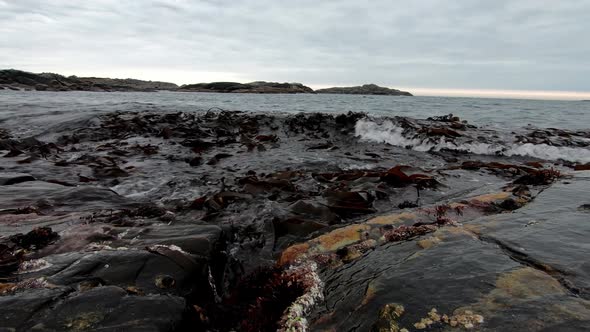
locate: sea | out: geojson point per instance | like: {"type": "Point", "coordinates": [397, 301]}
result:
{"type": "Point", "coordinates": [35, 113]}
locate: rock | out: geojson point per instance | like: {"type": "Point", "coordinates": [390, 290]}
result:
{"type": "Point", "coordinates": [254, 87]}
{"type": "Point", "coordinates": [582, 167]}
{"type": "Point", "coordinates": [35, 239]}
{"type": "Point", "coordinates": [367, 89]}
{"type": "Point", "coordinates": [106, 308]}
{"type": "Point", "coordinates": [196, 161]}
{"type": "Point", "coordinates": [7, 179]}
{"type": "Point", "coordinates": [55, 82]}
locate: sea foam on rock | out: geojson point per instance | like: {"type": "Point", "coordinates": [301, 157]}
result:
{"type": "Point", "coordinates": [388, 132]}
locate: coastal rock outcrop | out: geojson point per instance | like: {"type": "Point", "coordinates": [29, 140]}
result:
{"type": "Point", "coordinates": [237, 221]}
{"type": "Point", "coordinates": [13, 79]}
{"type": "Point", "coordinates": [18, 80]}
{"type": "Point", "coordinates": [366, 89]}
{"type": "Point", "coordinates": [254, 87]}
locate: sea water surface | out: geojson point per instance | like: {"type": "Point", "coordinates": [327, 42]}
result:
{"type": "Point", "coordinates": [32, 112]}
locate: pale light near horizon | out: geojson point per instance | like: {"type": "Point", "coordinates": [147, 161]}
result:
{"type": "Point", "coordinates": [516, 94]}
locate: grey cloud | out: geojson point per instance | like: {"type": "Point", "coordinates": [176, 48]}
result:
{"type": "Point", "coordinates": [502, 44]}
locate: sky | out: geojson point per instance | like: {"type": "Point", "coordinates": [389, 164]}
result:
{"type": "Point", "coordinates": [514, 48]}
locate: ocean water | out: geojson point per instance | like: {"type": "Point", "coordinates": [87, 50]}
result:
{"type": "Point", "coordinates": [31, 112]}
{"type": "Point", "coordinates": [42, 114]}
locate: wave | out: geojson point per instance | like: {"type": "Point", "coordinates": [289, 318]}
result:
{"type": "Point", "coordinates": [390, 133]}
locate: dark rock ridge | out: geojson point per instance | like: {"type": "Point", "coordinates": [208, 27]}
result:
{"type": "Point", "coordinates": [13, 79]}
{"type": "Point", "coordinates": [21, 80]}
{"type": "Point", "coordinates": [17, 80]}
{"type": "Point", "coordinates": [366, 89]}
{"type": "Point", "coordinates": [254, 87]}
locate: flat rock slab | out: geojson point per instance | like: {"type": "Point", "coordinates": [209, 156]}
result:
{"type": "Point", "coordinates": [107, 308]}
{"type": "Point", "coordinates": [526, 270]}
{"type": "Point", "coordinates": [64, 198]}
{"type": "Point", "coordinates": [551, 233]}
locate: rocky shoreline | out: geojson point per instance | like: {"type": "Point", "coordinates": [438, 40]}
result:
{"type": "Point", "coordinates": [11, 79]}
{"type": "Point", "coordinates": [219, 221]}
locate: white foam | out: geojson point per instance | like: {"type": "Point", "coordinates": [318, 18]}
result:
{"type": "Point", "coordinates": [388, 132]}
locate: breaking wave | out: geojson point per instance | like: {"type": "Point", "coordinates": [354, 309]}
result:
{"type": "Point", "coordinates": [388, 132]}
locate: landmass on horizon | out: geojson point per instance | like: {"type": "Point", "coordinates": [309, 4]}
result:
{"type": "Point", "coordinates": [13, 79]}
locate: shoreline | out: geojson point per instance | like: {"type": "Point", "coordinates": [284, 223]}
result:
{"type": "Point", "coordinates": [217, 217]}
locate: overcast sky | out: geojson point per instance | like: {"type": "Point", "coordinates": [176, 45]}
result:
{"type": "Point", "coordinates": [421, 44]}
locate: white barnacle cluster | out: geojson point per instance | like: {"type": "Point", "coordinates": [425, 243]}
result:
{"type": "Point", "coordinates": [293, 319]}
{"type": "Point", "coordinates": [172, 247]}
{"type": "Point", "coordinates": [98, 246]}
{"type": "Point", "coordinates": [33, 265]}
{"type": "Point", "coordinates": [28, 284]}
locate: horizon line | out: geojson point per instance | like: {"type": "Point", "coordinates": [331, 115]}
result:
{"type": "Point", "coordinates": [490, 93]}
{"type": "Point", "coordinates": [416, 91]}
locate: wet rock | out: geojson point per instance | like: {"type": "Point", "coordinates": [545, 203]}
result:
{"type": "Point", "coordinates": [4, 134]}
{"type": "Point", "coordinates": [267, 138]}
{"type": "Point", "coordinates": [9, 261]}
{"type": "Point", "coordinates": [149, 237]}
{"type": "Point", "coordinates": [446, 132]}
{"type": "Point", "coordinates": [165, 281]}
{"type": "Point", "coordinates": [445, 118]}
{"type": "Point", "coordinates": [217, 158]}
{"type": "Point", "coordinates": [198, 145]}
{"type": "Point", "coordinates": [539, 177]}
{"type": "Point", "coordinates": [196, 161]}
{"type": "Point", "coordinates": [7, 179]}
{"type": "Point", "coordinates": [13, 153]}
{"type": "Point", "coordinates": [407, 205]}
{"type": "Point", "coordinates": [101, 308]}
{"type": "Point", "coordinates": [35, 239]}
{"type": "Point", "coordinates": [110, 172]}
{"type": "Point", "coordinates": [321, 146]}
{"type": "Point", "coordinates": [312, 210]}
{"type": "Point", "coordinates": [348, 204]}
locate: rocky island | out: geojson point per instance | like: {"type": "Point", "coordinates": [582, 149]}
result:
{"type": "Point", "coordinates": [13, 79]}
{"type": "Point", "coordinates": [366, 89]}
{"type": "Point", "coordinates": [254, 87]}
{"type": "Point", "coordinates": [21, 80]}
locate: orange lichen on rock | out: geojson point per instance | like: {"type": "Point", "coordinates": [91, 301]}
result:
{"type": "Point", "coordinates": [490, 198]}
{"type": "Point", "coordinates": [341, 237]}
{"type": "Point", "coordinates": [391, 219]}
{"type": "Point", "coordinates": [290, 254]}
{"type": "Point", "coordinates": [6, 287]}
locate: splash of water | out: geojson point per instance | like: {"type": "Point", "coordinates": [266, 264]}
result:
{"type": "Point", "coordinates": [388, 132]}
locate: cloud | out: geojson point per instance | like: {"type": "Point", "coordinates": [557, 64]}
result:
{"type": "Point", "coordinates": [502, 44]}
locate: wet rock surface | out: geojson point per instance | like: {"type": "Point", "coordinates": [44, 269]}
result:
{"type": "Point", "coordinates": [226, 220]}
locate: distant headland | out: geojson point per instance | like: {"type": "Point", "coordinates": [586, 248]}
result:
{"type": "Point", "coordinates": [13, 79]}
{"type": "Point", "coordinates": [367, 89]}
